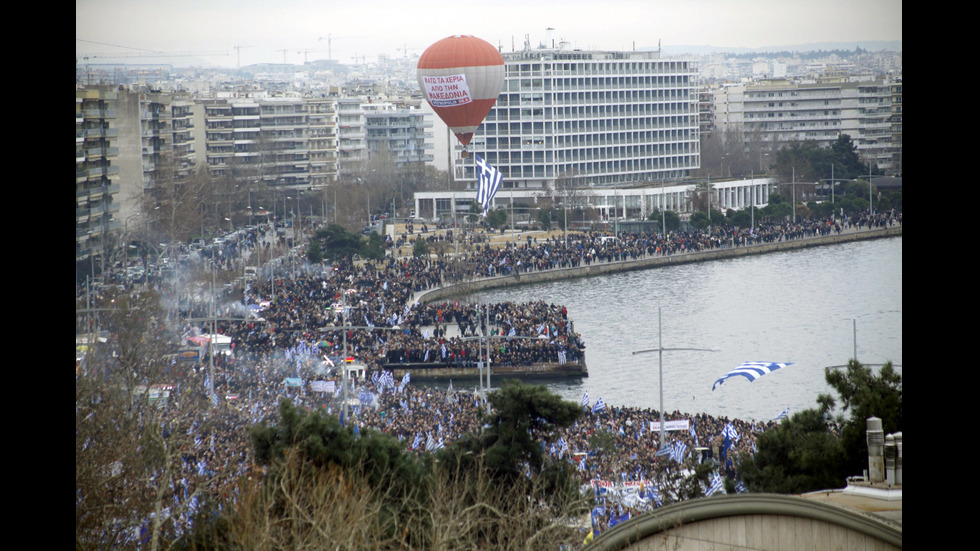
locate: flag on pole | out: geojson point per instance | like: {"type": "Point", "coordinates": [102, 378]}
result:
{"type": "Point", "coordinates": [782, 415]}
{"type": "Point", "coordinates": [599, 406]}
{"type": "Point", "coordinates": [490, 179]}
{"type": "Point", "coordinates": [585, 399]}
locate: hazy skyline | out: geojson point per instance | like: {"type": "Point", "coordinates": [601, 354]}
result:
{"type": "Point", "coordinates": [273, 32]}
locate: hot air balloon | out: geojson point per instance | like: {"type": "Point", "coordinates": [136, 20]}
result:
{"type": "Point", "coordinates": [461, 77]}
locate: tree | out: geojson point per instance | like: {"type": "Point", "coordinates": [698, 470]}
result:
{"type": "Point", "coordinates": [336, 243]}
{"type": "Point", "coordinates": [545, 218]}
{"type": "Point", "coordinates": [844, 156]}
{"type": "Point", "coordinates": [865, 394]}
{"type": "Point", "coordinates": [324, 484]}
{"type": "Point", "coordinates": [801, 455]}
{"type": "Point", "coordinates": [173, 206]}
{"type": "Point", "coordinates": [699, 220]}
{"type": "Point", "coordinates": [131, 447]}
{"type": "Point", "coordinates": [805, 452]}
{"type": "Point", "coordinates": [374, 249]}
{"type": "Point", "coordinates": [510, 447]}
{"type": "Point", "coordinates": [496, 218]}
{"type": "Point", "coordinates": [522, 414]}
{"type": "Point", "coordinates": [778, 208]}
{"type": "Point", "coordinates": [673, 220]}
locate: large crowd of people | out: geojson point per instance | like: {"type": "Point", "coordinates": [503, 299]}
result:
{"type": "Point", "coordinates": [369, 311]}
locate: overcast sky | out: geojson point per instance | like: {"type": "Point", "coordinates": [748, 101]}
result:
{"type": "Point", "coordinates": [263, 29]}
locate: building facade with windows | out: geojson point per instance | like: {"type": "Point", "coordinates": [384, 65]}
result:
{"type": "Point", "coordinates": [782, 111]}
{"type": "Point", "coordinates": [96, 177]}
{"type": "Point", "coordinates": [298, 141]}
{"type": "Point", "coordinates": [266, 138]}
{"type": "Point", "coordinates": [589, 118]}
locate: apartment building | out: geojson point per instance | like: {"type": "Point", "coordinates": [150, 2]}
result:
{"type": "Point", "coordinates": [372, 126]}
{"type": "Point", "coordinates": [96, 184]}
{"type": "Point", "coordinates": [599, 118]}
{"type": "Point", "coordinates": [400, 131]}
{"type": "Point", "coordinates": [782, 111]}
{"type": "Point", "coordinates": [259, 137]}
{"type": "Point", "coordinates": [306, 142]}
{"type": "Point", "coordinates": [351, 136]}
{"type": "Point", "coordinates": [896, 121]}
{"type": "Point", "coordinates": [322, 117]}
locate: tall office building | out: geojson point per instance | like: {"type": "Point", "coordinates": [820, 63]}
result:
{"type": "Point", "coordinates": [597, 118]}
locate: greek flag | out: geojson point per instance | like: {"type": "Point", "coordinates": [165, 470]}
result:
{"type": "Point", "coordinates": [782, 415]}
{"type": "Point", "coordinates": [599, 406]}
{"type": "Point", "coordinates": [717, 485]}
{"type": "Point", "coordinates": [730, 432]}
{"type": "Point", "coordinates": [751, 371]}
{"type": "Point", "coordinates": [585, 399]}
{"type": "Point", "coordinates": [490, 179]}
{"type": "Point", "coordinates": [680, 452]}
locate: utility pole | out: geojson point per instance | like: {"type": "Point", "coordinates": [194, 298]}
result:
{"type": "Point", "coordinates": [660, 351]}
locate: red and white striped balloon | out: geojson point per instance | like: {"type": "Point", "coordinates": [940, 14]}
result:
{"type": "Point", "coordinates": [461, 77]}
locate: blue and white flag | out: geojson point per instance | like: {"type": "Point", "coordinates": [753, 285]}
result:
{"type": "Point", "coordinates": [599, 406]}
{"type": "Point", "coordinates": [751, 371]}
{"type": "Point", "coordinates": [585, 399]}
{"type": "Point", "coordinates": [680, 452]}
{"type": "Point", "coordinates": [729, 432]}
{"type": "Point", "coordinates": [717, 485]}
{"type": "Point", "coordinates": [490, 179]}
{"type": "Point", "coordinates": [782, 415]}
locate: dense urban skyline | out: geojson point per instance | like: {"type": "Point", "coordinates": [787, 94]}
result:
{"type": "Point", "coordinates": [249, 32]}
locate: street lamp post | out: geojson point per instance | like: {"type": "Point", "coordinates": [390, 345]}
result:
{"type": "Point", "coordinates": [660, 351]}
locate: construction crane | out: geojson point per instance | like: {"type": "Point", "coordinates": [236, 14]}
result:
{"type": "Point", "coordinates": [110, 55]}
{"type": "Point", "coordinates": [306, 54]}
{"type": "Point", "coordinates": [406, 49]}
{"type": "Point", "coordinates": [238, 50]}
{"type": "Point", "coordinates": [330, 38]}
{"type": "Point", "coordinates": [138, 52]}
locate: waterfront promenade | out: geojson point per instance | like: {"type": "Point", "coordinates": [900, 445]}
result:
{"type": "Point", "coordinates": [466, 287]}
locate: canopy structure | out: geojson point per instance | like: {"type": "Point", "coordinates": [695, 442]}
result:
{"type": "Point", "coordinates": [751, 371]}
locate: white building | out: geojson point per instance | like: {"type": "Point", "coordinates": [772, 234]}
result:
{"type": "Point", "coordinates": [586, 118]}
{"type": "Point", "coordinates": [781, 111]}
